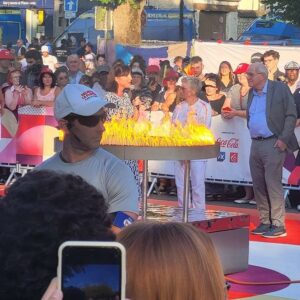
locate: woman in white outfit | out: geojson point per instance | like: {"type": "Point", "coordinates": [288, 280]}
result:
{"type": "Point", "coordinates": [192, 110]}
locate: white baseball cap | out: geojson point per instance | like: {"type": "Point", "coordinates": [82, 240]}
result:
{"type": "Point", "coordinates": [44, 49]}
{"type": "Point", "coordinates": [78, 99]}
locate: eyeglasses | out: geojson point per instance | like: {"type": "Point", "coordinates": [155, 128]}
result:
{"type": "Point", "coordinates": [88, 121]}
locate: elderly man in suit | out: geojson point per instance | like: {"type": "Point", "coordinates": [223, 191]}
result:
{"type": "Point", "coordinates": [271, 115]}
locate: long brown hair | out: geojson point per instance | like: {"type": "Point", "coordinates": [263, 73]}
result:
{"type": "Point", "coordinates": [171, 261]}
{"type": "Point", "coordinates": [228, 64]}
{"type": "Point", "coordinates": [118, 69]}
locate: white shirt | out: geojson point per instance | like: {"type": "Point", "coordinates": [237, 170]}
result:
{"type": "Point", "coordinates": [200, 112]}
{"type": "Point", "coordinates": [50, 61]}
{"type": "Point", "coordinates": [295, 86]}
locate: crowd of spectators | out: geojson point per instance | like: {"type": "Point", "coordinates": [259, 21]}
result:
{"type": "Point", "coordinates": [36, 74]}
{"type": "Point", "coordinates": [43, 209]}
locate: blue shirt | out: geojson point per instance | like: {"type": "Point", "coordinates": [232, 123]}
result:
{"type": "Point", "coordinates": [257, 114]}
{"type": "Point", "coordinates": [74, 79]}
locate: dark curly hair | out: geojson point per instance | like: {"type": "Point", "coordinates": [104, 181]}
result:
{"type": "Point", "coordinates": [41, 83]}
{"type": "Point", "coordinates": [140, 60]}
{"type": "Point", "coordinates": [40, 211]}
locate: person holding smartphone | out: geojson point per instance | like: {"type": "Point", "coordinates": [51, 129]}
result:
{"type": "Point", "coordinates": [235, 105]}
{"type": "Point", "coordinates": [40, 211]}
{"type": "Point", "coordinates": [16, 95]}
{"type": "Point", "coordinates": [236, 101]}
{"type": "Point", "coordinates": [81, 115]}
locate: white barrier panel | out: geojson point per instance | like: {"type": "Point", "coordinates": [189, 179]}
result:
{"type": "Point", "coordinates": [232, 164]}
{"type": "Point", "coordinates": [213, 54]}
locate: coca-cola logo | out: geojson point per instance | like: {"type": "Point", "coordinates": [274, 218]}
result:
{"type": "Point", "coordinates": [230, 143]}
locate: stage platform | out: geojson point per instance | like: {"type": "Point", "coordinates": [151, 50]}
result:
{"type": "Point", "coordinates": [229, 231]}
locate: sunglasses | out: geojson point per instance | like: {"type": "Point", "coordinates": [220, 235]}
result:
{"type": "Point", "coordinates": [208, 85]}
{"type": "Point", "coordinates": [88, 121]}
{"type": "Point", "coordinates": [61, 78]}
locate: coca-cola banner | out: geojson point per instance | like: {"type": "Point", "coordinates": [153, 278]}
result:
{"type": "Point", "coordinates": [233, 161]}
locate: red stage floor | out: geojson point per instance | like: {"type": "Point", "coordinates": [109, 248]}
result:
{"type": "Point", "coordinates": [269, 259]}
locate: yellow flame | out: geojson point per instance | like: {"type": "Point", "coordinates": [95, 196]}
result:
{"type": "Point", "coordinates": [143, 133]}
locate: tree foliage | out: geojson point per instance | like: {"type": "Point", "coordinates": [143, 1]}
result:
{"type": "Point", "coordinates": [115, 3]}
{"type": "Point", "coordinates": [288, 10]}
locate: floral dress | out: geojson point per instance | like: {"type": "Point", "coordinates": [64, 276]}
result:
{"type": "Point", "coordinates": [124, 108]}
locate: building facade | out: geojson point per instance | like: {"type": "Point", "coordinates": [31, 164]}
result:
{"type": "Point", "coordinates": [215, 19]}
{"type": "Point", "coordinates": [218, 19]}
{"type": "Point", "coordinates": [34, 5]}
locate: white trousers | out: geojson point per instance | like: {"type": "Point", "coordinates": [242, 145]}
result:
{"type": "Point", "coordinates": [197, 176]}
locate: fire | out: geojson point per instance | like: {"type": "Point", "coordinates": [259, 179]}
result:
{"type": "Point", "coordinates": [144, 133]}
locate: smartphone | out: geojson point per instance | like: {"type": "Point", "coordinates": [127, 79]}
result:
{"type": "Point", "coordinates": [92, 270]}
{"type": "Point", "coordinates": [227, 108]}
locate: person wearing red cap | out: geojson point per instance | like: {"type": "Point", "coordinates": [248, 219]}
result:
{"type": "Point", "coordinates": [152, 69]}
{"type": "Point", "coordinates": [6, 59]}
{"type": "Point", "coordinates": [166, 101]}
{"type": "Point", "coordinates": [237, 96]}
{"type": "Point", "coordinates": [152, 74]}
{"type": "Point", "coordinates": [235, 106]}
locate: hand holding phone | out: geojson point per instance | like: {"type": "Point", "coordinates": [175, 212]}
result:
{"type": "Point", "coordinates": [227, 108]}
{"type": "Point", "coordinates": [92, 270]}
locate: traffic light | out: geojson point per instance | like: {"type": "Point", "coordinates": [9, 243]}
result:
{"type": "Point", "coordinates": [41, 15]}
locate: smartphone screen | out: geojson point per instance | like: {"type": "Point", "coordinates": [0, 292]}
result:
{"type": "Point", "coordinates": [91, 273]}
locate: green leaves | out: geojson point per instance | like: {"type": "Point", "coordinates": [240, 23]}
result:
{"type": "Point", "coordinates": [288, 10]}
{"type": "Point", "coordinates": [133, 3]}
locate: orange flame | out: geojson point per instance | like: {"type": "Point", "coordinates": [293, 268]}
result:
{"type": "Point", "coordinates": [143, 133]}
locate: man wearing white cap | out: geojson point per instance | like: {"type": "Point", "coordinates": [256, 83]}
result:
{"type": "Point", "coordinates": [48, 59]}
{"type": "Point", "coordinates": [292, 75]}
{"type": "Point", "coordinates": [81, 115]}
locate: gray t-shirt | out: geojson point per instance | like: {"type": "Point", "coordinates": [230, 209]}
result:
{"type": "Point", "coordinates": [106, 173]}
{"type": "Point", "coordinates": [237, 101]}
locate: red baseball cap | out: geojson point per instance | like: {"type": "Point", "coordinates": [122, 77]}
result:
{"type": "Point", "coordinates": [152, 69]}
{"type": "Point", "coordinates": [241, 68]}
{"type": "Point", "coordinates": [5, 54]}
{"type": "Point", "coordinates": [171, 74]}
{"type": "Point", "coordinates": [47, 70]}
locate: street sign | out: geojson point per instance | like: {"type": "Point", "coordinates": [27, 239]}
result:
{"type": "Point", "coordinates": [71, 5]}
{"type": "Point", "coordinates": [70, 14]}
